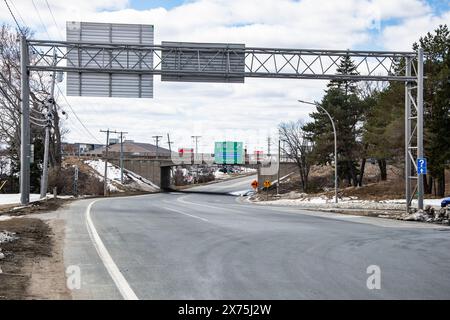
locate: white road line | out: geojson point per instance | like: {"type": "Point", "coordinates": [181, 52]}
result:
{"type": "Point", "coordinates": [186, 214]}
{"type": "Point", "coordinates": [118, 278]}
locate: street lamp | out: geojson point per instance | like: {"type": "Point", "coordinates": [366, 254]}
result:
{"type": "Point", "coordinates": [335, 148]}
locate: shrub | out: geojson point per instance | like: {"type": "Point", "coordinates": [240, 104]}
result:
{"type": "Point", "coordinates": [63, 180]}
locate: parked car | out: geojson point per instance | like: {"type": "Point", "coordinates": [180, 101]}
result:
{"type": "Point", "coordinates": [445, 202]}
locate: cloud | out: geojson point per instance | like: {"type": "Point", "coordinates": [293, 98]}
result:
{"type": "Point", "coordinates": [402, 36]}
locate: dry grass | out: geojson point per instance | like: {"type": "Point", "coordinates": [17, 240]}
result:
{"type": "Point", "coordinates": [321, 182]}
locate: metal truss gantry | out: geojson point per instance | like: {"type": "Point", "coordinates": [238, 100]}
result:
{"type": "Point", "coordinates": [232, 62]}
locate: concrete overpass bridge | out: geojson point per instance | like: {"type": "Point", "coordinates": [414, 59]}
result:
{"type": "Point", "coordinates": [158, 170]}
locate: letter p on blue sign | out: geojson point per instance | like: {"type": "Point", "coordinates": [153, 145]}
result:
{"type": "Point", "coordinates": [422, 166]}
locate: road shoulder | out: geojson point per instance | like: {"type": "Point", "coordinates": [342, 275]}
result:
{"type": "Point", "coordinates": [33, 267]}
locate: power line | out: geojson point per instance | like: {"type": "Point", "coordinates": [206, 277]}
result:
{"type": "Point", "coordinates": [76, 116]}
{"type": "Point", "coordinates": [37, 119]}
{"type": "Point", "coordinates": [40, 18]}
{"type": "Point", "coordinates": [18, 13]}
{"type": "Point", "coordinates": [37, 124]}
{"type": "Point", "coordinates": [14, 17]}
{"type": "Point", "coordinates": [75, 128]}
{"type": "Point", "coordinates": [53, 17]}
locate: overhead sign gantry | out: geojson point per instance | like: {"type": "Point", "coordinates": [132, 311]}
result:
{"type": "Point", "coordinates": [211, 62]}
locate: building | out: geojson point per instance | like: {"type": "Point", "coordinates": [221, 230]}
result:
{"type": "Point", "coordinates": [77, 149]}
{"type": "Point", "coordinates": [132, 149]}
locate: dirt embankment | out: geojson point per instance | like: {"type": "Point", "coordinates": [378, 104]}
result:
{"type": "Point", "coordinates": [321, 182]}
{"type": "Point", "coordinates": [33, 266]}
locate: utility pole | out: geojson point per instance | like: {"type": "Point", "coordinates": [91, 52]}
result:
{"type": "Point", "coordinates": [196, 145]}
{"type": "Point", "coordinates": [121, 155]}
{"type": "Point", "coordinates": [24, 124]}
{"type": "Point", "coordinates": [105, 183]}
{"type": "Point", "coordinates": [169, 143]}
{"type": "Point", "coordinates": [157, 138]}
{"type": "Point", "coordinates": [75, 182]}
{"type": "Point", "coordinates": [170, 150]}
{"type": "Point", "coordinates": [44, 178]}
{"type": "Point", "coordinates": [268, 146]}
{"type": "Point", "coordinates": [279, 165]}
{"type": "Point", "coordinates": [50, 107]}
{"type": "Point", "coordinates": [196, 154]}
{"type": "Point", "coordinates": [105, 175]}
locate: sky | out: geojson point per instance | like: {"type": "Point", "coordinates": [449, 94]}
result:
{"type": "Point", "coordinates": [247, 112]}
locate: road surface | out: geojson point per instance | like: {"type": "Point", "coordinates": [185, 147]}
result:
{"type": "Point", "coordinates": [205, 246]}
{"type": "Point", "coordinates": [238, 185]}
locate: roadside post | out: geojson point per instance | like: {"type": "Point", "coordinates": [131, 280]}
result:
{"type": "Point", "coordinates": [255, 185]}
{"type": "Point", "coordinates": [267, 185]}
{"type": "Point", "coordinates": [75, 182]}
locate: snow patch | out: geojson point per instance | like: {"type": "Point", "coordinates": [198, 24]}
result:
{"type": "Point", "coordinates": [302, 200]}
{"type": "Point", "coordinates": [14, 198]}
{"type": "Point", "coordinates": [6, 236]}
{"type": "Point", "coordinates": [131, 179]}
{"type": "Point", "coordinates": [242, 193]}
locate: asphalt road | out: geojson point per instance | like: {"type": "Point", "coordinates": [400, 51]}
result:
{"type": "Point", "coordinates": [239, 185]}
{"type": "Point", "coordinates": [200, 246]}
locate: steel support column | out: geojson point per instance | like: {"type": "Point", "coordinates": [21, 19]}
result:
{"type": "Point", "coordinates": [408, 136]}
{"type": "Point", "coordinates": [420, 152]}
{"type": "Point", "coordinates": [25, 124]}
{"type": "Point", "coordinates": [414, 132]}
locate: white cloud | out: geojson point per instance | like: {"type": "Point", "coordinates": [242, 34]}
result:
{"type": "Point", "coordinates": [255, 108]}
{"type": "Point", "coordinates": [402, 36]}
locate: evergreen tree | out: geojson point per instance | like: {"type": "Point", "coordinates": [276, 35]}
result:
{"type": "Point", "coordinates": [384, 126]}
{"type": "Point", "coordinates": [346, 108]}
{"type": "Point", "coordinates": [436, 106]}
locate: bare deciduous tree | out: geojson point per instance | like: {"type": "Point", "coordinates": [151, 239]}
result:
{"type": "Point", "coordinates": [10, 97]}
{"type": "Point", "coordinates": [297, 148]}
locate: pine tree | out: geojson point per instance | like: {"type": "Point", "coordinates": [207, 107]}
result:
{"type": "Point", "coordinates": [346, 108]}
{"type": "Point", "coordinates": [384, 126]}
{"type": "Point", "coordinates": [437, 106]}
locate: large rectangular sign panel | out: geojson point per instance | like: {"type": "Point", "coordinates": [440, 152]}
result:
{"type": "Point", "coordinates": [229, 152]}
{"type": "Point", "coordinates": [109, 84]}
{"type": "Point", "coordinates": [210, 60]}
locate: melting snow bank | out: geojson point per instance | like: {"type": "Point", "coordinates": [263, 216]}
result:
{"type": "Point", "coordinates": [345, 203]}
{"type": "Point", "coordinates": [242, 193]}
{"type": "Point", "coordinates": [6, 236]}
{"type": "Point", "coordinates": [131, 180]}
{"type": "Point", "coordinates": [14, 198]}
{"type": "Point", "coordinates": [432, 212]}
{"type": "Point", "coordinates": [302, 200]}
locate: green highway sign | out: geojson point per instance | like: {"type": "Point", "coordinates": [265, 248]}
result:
{"type": "Point", "coordinates": [229, 152]}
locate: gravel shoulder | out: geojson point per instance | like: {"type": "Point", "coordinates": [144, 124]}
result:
{"type": "Point", "coordinates": [33, 265]}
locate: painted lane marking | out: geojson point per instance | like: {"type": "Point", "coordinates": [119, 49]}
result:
{"type": "Point", "coordinates": [118, 278]}
{"type": "Point", "coordinates": [186, 214]}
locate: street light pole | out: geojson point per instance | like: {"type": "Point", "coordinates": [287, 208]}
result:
{"type": "Point", "coordinates": [335, 148]}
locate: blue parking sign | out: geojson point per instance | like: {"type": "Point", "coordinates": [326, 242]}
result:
{"type": "Point", "coordinates": [422, 166]}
